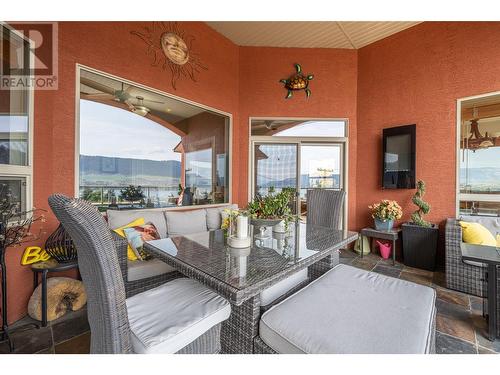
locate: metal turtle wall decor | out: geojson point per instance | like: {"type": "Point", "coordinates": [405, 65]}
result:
{"type": "Point", "coordinates": [297, 81]}
{"type": "Point", "coordinates": [171, 48]}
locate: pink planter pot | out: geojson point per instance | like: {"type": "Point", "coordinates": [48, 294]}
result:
{"type": "Point", "coordinates": [385, 249]}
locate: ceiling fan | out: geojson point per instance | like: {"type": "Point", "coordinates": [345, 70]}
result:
{"type": "Point", "coordinates": [123, 96]}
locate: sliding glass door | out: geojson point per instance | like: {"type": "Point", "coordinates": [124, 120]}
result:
{"type": "Point", "coordinates": [275, 168]}
{"type": "Point", "coordinates": [298, 166]}
{"type": "Point", "coordinates": [320, 168]}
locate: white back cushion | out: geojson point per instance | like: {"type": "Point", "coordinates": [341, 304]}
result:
{"type": "Point", "coordinates": [490, 223]}
{"type": "Point", "coordinates": [186, 222]}
{"type": "Point", "coordinates": [214, 217]}
{"type": "Point", "coordinates": [117, 218]}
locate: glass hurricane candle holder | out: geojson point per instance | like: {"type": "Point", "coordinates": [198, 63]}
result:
{"type": "Point", "coordinates": [239, 229]}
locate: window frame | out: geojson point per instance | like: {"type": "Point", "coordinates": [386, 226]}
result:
{"type": "Point", "coordinates": [24, 171]}
{"type": "Point", "coordinates": [468, 196]}
{"type": "Point", "coordinates": [80, 67]}
{"type": "Point", "coordinates": [344, 141]}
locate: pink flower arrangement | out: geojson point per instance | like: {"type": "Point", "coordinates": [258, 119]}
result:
{"type": "Point", "coordinates": [386, 210]}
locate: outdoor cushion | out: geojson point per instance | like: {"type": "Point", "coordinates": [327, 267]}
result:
{"type": "Point", "coordinates": [138, 270]}
{"type": "Point", "coordinates": [475, 233]}
{"type": "Point", "coordinates": [214, 216]}
{"type": "Point", "coordinates": [270, 294]}
{"type": "Point", "coordinates": [186, 222]}
{"type": "Point", "coordinates": [489, 222]}
{"type": "Point", "coordinates": [167, 318]}
{"type": "Point", "coordinates": [348, 310]}
{"type": "Point", "coordinates": [118, 218]}
{"type": "Point", "coordinates": [121, 232]}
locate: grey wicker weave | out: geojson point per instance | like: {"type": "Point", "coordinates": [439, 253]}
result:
{"type": "Point", "coordinates": [209, 265]}
{"type": "Point", "coordinates": [324, 207]}
{"type": "Point", "coordinates": [461, 276]}
{"type": "Point", "coordinates": [102, 277]}
{"type": "Point", "coordinates": [137, 286]}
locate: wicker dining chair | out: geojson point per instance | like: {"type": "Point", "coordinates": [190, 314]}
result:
{"type": "Point", "coordinates": [324, 207]}
{"type": "Point", "coordinates": [110, 318]}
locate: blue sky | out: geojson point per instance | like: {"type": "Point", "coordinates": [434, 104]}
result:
{"type": "Point", "coordinates": [113, 132]}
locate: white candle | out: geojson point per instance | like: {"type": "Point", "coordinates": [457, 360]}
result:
{"type": "Point", "coordinates": [242, 226]}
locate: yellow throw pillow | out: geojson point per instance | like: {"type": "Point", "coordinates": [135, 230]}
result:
{"type": "Point", "coordinates": [498, 240]}
{"type": "Point", "coordinates": [475, 233]}
{"type": "Point", "coordinates": [130, 252]}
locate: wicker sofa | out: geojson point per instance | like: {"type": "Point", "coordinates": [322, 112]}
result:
{"type": "Point", "coordinates": [143, 275]}
{"type": "Point", "coordinates": [465, 276]}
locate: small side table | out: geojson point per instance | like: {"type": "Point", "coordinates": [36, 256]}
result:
{"type": "Point", "coordinates": [391, 235]}
{"type": "Point", "coordinates": [44, 268]}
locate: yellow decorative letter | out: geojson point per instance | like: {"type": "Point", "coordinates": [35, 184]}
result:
{"type": "Point", "coordinates": [34, 254]}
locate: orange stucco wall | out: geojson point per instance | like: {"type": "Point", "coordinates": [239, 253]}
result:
{"type": "Point", "coordinates": [334, 91]}
{"type": "Point", "coordinates": [415, 77]}
{"type": "Point", "coordinates": [111, 48]}
{"type": "Point", "coordinates": [411, 77]}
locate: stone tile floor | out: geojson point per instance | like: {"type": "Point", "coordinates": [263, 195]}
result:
{"type": "Point", "coordinates": [460, 325]}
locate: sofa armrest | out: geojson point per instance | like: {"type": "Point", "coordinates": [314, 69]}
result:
{"type": "Point", "coordinates": [121, 245]}
{"type": "Point", "coordinates": [453, 237]}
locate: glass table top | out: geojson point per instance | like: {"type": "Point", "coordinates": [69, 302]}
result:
{"type": "Point", "coordinates": [209, 253]}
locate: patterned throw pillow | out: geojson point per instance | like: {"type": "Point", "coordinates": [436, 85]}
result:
{"type": "Point", "coordinates": [120, 232]}
{"type": "Point", "coordinates": [137, 235]}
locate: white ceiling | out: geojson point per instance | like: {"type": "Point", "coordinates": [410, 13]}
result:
{"type": "Point", "coordinates": [304, 34]}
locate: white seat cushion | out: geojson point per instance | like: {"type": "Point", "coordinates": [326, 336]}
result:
{"type": "Point", "coordinates": [270, 294]}
{"type": "Point", "coordinates": [167, 318]}
{"type": "Point", "coordinates": [142, 269]}
{"type": "Point", "coordinates": [348, 310]}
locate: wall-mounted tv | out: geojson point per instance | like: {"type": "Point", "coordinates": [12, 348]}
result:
{"type": "Point", "coordinates": [398, 170]}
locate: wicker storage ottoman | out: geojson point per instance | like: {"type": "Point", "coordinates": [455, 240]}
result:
{"type": "Point", "coordinates": [349, 310]}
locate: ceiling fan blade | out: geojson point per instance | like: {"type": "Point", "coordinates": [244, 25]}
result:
{"type": "Point", "coordinates": [153, 101]}
{"type": "Point", "coordinates": [99, 95]}
{"type": "Point", "coordinates": [97, 86]}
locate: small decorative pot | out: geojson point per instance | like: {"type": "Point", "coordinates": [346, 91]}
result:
{"type": "Point", "coordinates": [385, 225]}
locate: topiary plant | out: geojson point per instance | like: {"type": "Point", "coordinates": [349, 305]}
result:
{"type": "Point", "coordinates": [423, 207]}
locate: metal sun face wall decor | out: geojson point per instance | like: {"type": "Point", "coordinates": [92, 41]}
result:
{"type": "Point", "coordinates": [171, 48]}
{"type": "Point", "coordinates": [297, 81]}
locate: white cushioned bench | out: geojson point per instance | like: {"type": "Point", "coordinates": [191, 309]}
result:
{"type": "Point", "coordinates": [348, 310]}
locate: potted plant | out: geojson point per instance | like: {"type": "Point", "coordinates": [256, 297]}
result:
{"type": "Point", "coordinates": [271, 209]}
{"type": "Point", "coordinates": [384, 213]}
{"type": "Point", "coordinates": [420, 238]}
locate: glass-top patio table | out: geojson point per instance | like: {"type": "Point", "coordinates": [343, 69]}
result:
{"type": "Point", "coordinates": [240, 275]}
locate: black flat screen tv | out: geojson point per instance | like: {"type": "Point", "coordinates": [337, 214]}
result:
{"type": "Point", "coordinates": [398, 169]}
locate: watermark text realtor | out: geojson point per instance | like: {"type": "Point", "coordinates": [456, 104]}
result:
{"type": "Point", "coordinates": [28, 55]}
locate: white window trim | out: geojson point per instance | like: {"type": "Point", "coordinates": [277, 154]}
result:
{"type": "Point", "coordinates": [80, 67]}
{"type": "Point", "coordinates": [25, 171]}
{"type": "Point", "coordinates": [467, 196]}
{"type": "Point", "coordinates": [302, 140]}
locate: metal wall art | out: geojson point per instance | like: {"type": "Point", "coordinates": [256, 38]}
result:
{"type": "Point", "coordinates": [297, 81]}
{"type": "Point", "coordinates": [171, 49]}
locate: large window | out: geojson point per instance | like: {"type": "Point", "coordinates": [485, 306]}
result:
{"type": "Point", "coordinates": [15, 119]}
{"type": "Point", "coordinates": [140, 148]}
{"type": "Point", "coordinates": [479, 156]}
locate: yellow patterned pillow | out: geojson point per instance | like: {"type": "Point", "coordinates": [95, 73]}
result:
{"type": "Point", "coordinates": [475, 233]}
{"type": "Point", "coordinates": [130, 252]}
